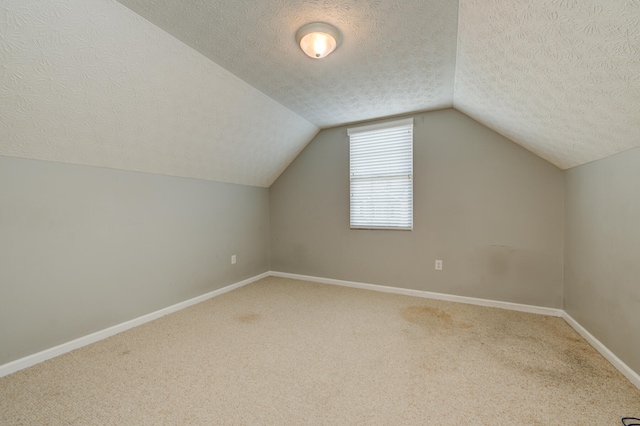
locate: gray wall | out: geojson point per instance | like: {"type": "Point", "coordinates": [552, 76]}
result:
{"type": "Point", "coordinates": [84, 248]}
{"type": "Point", "coordinates": [602, 253]}
{"type": "Point", "coordinates": [492, 211]}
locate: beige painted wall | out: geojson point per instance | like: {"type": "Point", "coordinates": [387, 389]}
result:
{"type": "Point", "coordinates": [84, 248]}
{"type": "Point", "coordinates": [602, 252]}
{"type": "Point", "coordinates": [492, 211]}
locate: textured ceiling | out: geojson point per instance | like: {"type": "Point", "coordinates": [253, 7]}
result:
{"type": "Point", "coordinates": [92, 82]}
{"type": "Point", "coordinates": [397, 56]}
{"type": "Point", "coordinates": [559, 77]}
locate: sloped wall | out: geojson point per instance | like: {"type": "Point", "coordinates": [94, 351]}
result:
{"type": "Point", "coordinates": [602, 252]}
{"type": "Point", "coordinates": [84, 248]}
{"type": "Point", "coordinates": [492, 211]}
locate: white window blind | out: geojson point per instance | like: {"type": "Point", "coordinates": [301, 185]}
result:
{"type": "Point", "coordinates": [381, 166]}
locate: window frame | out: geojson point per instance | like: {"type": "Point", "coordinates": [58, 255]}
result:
{"type": "Point", "coordinates": [409, 123]}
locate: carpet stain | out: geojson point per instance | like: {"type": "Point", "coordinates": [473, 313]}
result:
{"type": "Point", "coordinates": [425, 315]}
{"type": "Point", "coordinates": [249, 318]}
{"type": "Point", "coordinates": [127, 352]}
{"type": "Point", "coordinates": [563, 360]}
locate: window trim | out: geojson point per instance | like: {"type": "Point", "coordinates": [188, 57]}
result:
{"type": "Point", "coordinates": [380, 126]}
{"type": "Point", "coordinates": [371, 128]}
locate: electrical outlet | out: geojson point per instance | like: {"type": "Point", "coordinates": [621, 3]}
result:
{"type": "Point", "coordinates": [233, 259]}
{"type": "Point", "coordinates": [438, 265]}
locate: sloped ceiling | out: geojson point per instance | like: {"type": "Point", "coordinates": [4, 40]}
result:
{"type": "Point", "coordinates": [92, 82]}
{"type": "Point", "coordinates": [396, 56]}
{"type": "Point", "coordinates": [559, 77]}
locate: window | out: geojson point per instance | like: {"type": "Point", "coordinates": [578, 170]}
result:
{"type": "Point", "coordinates": [381, 168]}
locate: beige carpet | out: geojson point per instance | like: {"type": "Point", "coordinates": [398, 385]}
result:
{"type": "Point", "coordinates": [290, 352]}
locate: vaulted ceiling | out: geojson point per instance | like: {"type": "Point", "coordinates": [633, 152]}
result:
{"type": "Point", "coordinates": [93, 83]}
{"type": "Point", "coordinates": [396, 56]}
{"type": "Point", "coordinates": [559, 77]}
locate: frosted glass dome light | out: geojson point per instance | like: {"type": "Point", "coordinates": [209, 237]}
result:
{"type": "Point", "coordinates": [318, 39]}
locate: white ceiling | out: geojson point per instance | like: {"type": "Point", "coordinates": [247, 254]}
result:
{"type": "Point", "coordinates": [91, 82]}
{"type": "Point", "coordinates": [396, 56]}
{"type": "Point", "coordinates": [559, 77]}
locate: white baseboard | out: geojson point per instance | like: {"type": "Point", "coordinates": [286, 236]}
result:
{"type": "Point", "coordinates": [427, 294]}
{"type": "Point", "coordinates": [633, 377]}
{"type": "Point", "coordinates": [604, 351]}
{"type": "Point", "coordinates": [39, 357]}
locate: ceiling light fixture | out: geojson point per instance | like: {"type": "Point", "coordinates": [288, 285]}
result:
{"type": "Point", "coordinates": [318, 39]}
